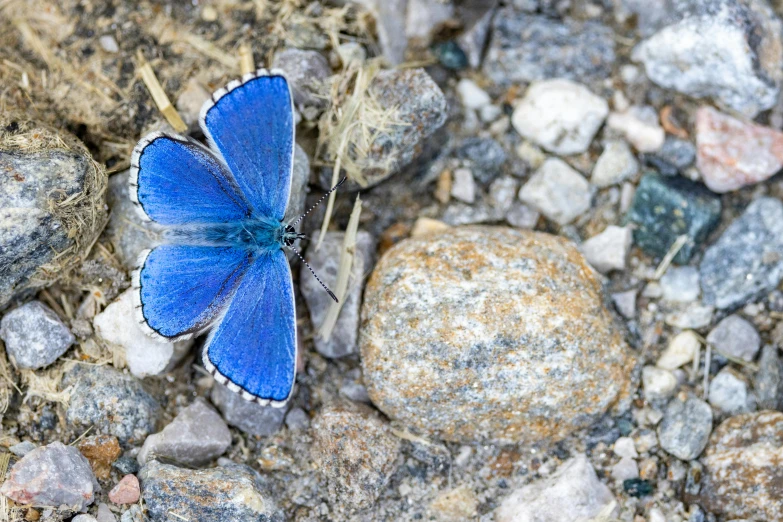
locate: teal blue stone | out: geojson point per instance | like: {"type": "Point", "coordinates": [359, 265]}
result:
{"type": "Point", "coordinates": [450, 55]}
{"type": "Point", "coordinates": [665, 208]}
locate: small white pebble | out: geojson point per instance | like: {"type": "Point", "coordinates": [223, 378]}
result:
{"type": "Point", "coordinates": [108, 43]}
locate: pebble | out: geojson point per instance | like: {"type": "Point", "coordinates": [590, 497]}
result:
{"type": "Point", "coordinates": [53, 475]}
{"type": "Point", "coordinates": [665, 208]}
{"type": "Point", "coordinates": [189, 103]}
{"type": "Point", "coordinates": [84, 518]}
{"type": "Point", "coordinates": [503, 193]}
{"type": "Point", "coordinates": [522, 216]}
{"type": "Point", "coordinates": [685, 427]}
{"type": "Point", "coordinates": [463, 187]}
{"type": "Point", "coordinates": [307, 73]}
{"type": "Point", "coordinates": [639, 125]}
{"type": "Point", "coordinates": [104, 514]}
{"type": "Point", "coordinates": [624, 447]}
{"type": "Point", "coordinates": [222, 493]}
{"type": "Point", "coordinates": [108, 43]}
{"type": "Point", "coordinates": [616, 164]}
{"type": "Point", "coordinates": [625, 302]}
{"type": "Point", "coordinates": [127, 491]}
{"type": "Point", "coordinates": [416, 302]}
{"type": "Point", "coordinates": [573, 492]}
{"type": "Point", "coordinates": [608, 250]}
{"type": "Point", "coordinates": [424, 17]}
{"type": "Point", "coordinates": [557, 191]}
{"type": "Point", "coordinates": [674, 158]}
{"type": "Point", "coordinates": [352, 53]}
{"type": "Point", "coordinates": [297, 420]}
{"type": "Point", "coordinates": [419, 108]}
{"type": "Point", "coordinates": [484, 156]}
{"type": "Point", "coordinates": [22, 448]}
{"type": "Point", "coordinates": [471, 95]}
{"type": "Point", "coordinates": [134, 513]}
{"type": "Point", "coordinates": [126, 465]}
{"type": "Point", "coordinates": [732, 153]}
{"type": "Point", "coordinates": [625, 469]}
{"type": "Point", "coordinates": [560, 115]}
{"type": "Point", "coordinates": [727, 50]}
{"type": "Point", "coordinates": [250, 417]}
{"type": "Point", "coordinates": [118, 325]}
{"type": "Point", "coordinates": [34, 336]}
{"type": "Point", "coordinates": [747, 260]}
{"type": "Point", "coordinates": [693, 317]}
{"type": "Point", "coordinates": [110, 402]}
{"type": "Point", "coordinates": [473, 40]}
{"type": "Point", "coordinates": [729, 393]}
{"type": "Point", "coordinates": [680, 351]}
{"type": "Point", "coordinates": [455, 504]}
{"type": "Point", "coordinates": [735, 337]}
{"type": "Point", "coordinates": [524, 48]}
{"type": "Point", "coordinates": [741, 477]}
{"type": "Point", "coordinates": [42, 166]}
{"type": "Point", "coordinates": [355, 450]}
{"type": "Point", "coordinates": [101, 451]}
{"type": "Point", "coordinates": [658, 384]}
{"type": "Point", "coordinates": [195, 437]}
{"type": "Point", "coordinates": [326, 262]}
{"type": "Point", "coordinates": [768, 382]}
{"type": "Point", "coordinates": [680, 284]}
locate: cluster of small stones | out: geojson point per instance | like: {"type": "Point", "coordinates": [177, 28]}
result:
{"type": "Point", "coordinates": [564, 301]}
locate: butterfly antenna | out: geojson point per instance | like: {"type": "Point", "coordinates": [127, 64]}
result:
{"type": "Point", "coordinates": [331, 294]}
{"type": "Point", "coordinates": [318, 203]}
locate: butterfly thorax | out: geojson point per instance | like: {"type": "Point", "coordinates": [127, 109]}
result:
{"type": "Point", "coordinates": [257, 234]}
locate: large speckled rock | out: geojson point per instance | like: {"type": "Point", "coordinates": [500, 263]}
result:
{"type": "Point", "coordinates": [743, 468]}
{"type": "Point", "coordinates": [492, 334]}
{"type": "Point", "coordinates": [355, 451]}
{"type": "Point", "coordinates": [109, 401]}
{"type": "Point", "coordinates": [224, 493]}
{"type": "Point", "coordinates": [51, 204]}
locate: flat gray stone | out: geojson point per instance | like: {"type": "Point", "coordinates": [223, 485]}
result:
{"type": "Point", "coordinates": [735, 337]}
{"type": "Point", "coordinates": [195, 437]}
{"type": "Point", "coordinates": [307, 72]}
{"type": "Point", "coordinates": [685, 428]}
{"type": "Point", "coordinates": [34, 336]}
{"type": "Point", "coordinates": [250, 417]}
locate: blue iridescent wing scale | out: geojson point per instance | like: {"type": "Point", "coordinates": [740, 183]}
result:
{"type": "Point", "coordinates": [180, 290]}
{"type": "Point", "coordinates": [175, 181]}
{"type": "Point", "coordinates": [251, 124]}
{"type": "Point", "coordinates": [253, 350]}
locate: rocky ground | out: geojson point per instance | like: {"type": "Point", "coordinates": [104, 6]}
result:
{"type": "Point", "coordinates": [563, 302]}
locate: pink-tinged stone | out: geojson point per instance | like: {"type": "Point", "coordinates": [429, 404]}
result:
{"type": "Point", "coordinates": [126, 491]}
{"type": "Point", "coordinates": [732, 153]}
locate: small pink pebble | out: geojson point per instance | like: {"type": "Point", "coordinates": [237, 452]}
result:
{"type": "Point", "coordinates": [126, 491]}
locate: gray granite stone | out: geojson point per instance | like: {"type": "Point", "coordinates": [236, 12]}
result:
{"type": "Point", "coordinates": [250, 417]}
{"type": "Point", "coordinates": [685, 427]}
{"type": "Point", "coordinates": [34, 336]}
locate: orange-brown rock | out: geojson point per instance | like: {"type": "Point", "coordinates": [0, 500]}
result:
{"type": "Point", "coordinates": [492, 334]}
{"type": "Point", "coordinates": [101, 451]}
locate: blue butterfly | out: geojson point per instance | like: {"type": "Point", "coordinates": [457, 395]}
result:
{"type": "Point", "coordinates": [223, 265]}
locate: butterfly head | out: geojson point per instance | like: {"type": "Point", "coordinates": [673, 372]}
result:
{"type": "Point", "coordinates": [290, 235]}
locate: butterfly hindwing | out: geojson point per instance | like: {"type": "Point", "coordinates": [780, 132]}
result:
{"type": "Point", "coordinates": [253, 350]}
{"type": "Point", "coordinates": [177, 181]}
{"type": "Point", "coordinates": [251, 124]}
{"type": "Point", "coordinates": [180, 290]}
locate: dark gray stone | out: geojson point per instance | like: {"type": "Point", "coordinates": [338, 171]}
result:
{"type": "Point", "coordinates": [23, 448]}
{"type": "Point", "coordinates": [484, 156]}
{"type": "Point", "coordinates": [250, 417]}
{"type": "Point", "coordinates": [195, 437]}
{"type": "Point", "coordinates": [34, 336]}
{"type": "Point", "coordinates": [746, 262]}
{"type": "Point", "coordinates": [52, 476]}
{"type": "Point", "coordinates": [110, 402]}
{"type": "Point", "coordinates": [768, 381]}
{"type": "Point", "coordinates": [685, 428]}
{"type": "Point", "coordinates": [526, 48]}
{"type": "Point", "coordinates": [665, 208]}
{"type": "Point", "coordinates": [208, 494]}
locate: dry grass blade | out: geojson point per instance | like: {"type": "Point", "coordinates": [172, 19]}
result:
{"type": "Point", "coordinates": [46, 384]}
{"type": "Point", "coordinates": [343, 271]}
{"type": "Point", "coordinates": [670, 255]}
{"type": "Point", "coordinates": [159, 95]}
{"type": "Point", "coordinates": [246, 63]}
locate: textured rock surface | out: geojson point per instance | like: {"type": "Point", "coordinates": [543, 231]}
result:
{"type": "Point", "coordinates": [747, 260]}
{"type": "Point", "coordinates": [557, 191]}
{"type": "Point", "coordinates": [639, 125]}
{"type": "Point", "coordinates": [54, 475]}
{"type": "Point", "coordinates": [735, 337]}
{"type": "Point", "coordinates": [685, 427]}
{"type": "Point", "coordinates": [39, 235]}
{"type": "Point", "coordinates": [608, 250]}
{"type": "Point", "coordinates": [145, 356]}
{"type": "Point", "coordinates": [727, 50]}
{"type": "Point", "coordinates": [489, 320]}
{"type": "Point", "coordinates": [560, 116]}
{"type": "Point", "coordinates": [616, 163]}
{"type": "Point", "coordinates": [208, 494]}
{"type": "Point", "coordinates": [356, 451]}
{"type": "Point", "coordinates": [250, 417]}
{"type": "Point", "coordinates": [325, 262]}
{"type": "Point", "coordinates": [768, 383]}
{"type": "Point", "coordinates": [526, 48]}
{"type": "Point", "coordinates": [111, 402]}
{"type": "Point", "coordinates": [573, 492]}
{"type": "Point", "coordinates": [733, 154]}
{"type": "Point", "coordinates": [101, 451]}
{"type": "Point", "coordinates": [34, 336]}
{"type": "Point", "coordinates": [664, 209]}
{"type": "Point", "coordinates": [195, 437]}
{"type": "Point", "coordinates": [307, 72]}
{"type": "Point", "coordinates": [127, 491]}
{"type": "Point", "coordinates": [743, 477]}
{"type": "Point", "coordinates": [729, 393]}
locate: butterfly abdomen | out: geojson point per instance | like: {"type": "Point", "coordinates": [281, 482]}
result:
{"type": "Point", "coordinates": [258, 235]}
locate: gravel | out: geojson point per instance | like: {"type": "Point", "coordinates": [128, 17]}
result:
{"type": "Point", "coordinates": [34, 336]}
